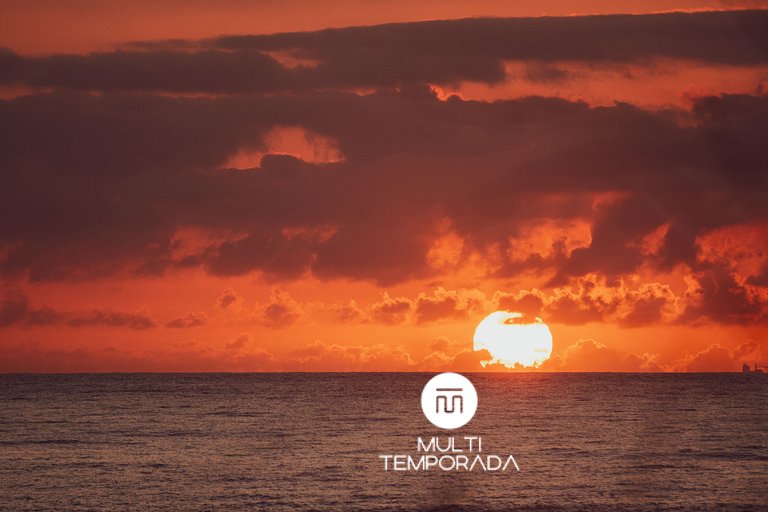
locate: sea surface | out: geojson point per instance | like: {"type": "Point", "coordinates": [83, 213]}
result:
{"type": "Point", "coordinates": [301, 442]}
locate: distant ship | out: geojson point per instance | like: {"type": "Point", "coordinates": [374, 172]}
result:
{"type": "Point", "coordinates": [745, 368]}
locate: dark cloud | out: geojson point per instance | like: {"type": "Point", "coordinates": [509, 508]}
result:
{"type": "Point", "coordinates": [720, 296]}
{"type": "Point", "coordinates": [761, 279]}
{"type": "Point", "coordinates": [529, 303]}
{"type": "Point", "coordinates": [440, 52]}
{"type": "Point", "coordinates": [268, 250]}
{"type": "Point", "coordinates": [99, 185]}
{"type": "Point", "coordinates": [544, 72]}
{"type": "Point", "coordinates": [117, 184]}
{"type": "Point", "coordinates": [430, 309]}
{"type": "Point", "coordinates": [646, 310]}
{"type": "Point", "coordinates": [210, 71]}
{"type": "Point", "coordinates": [447, 304]}
{"type": "Point", "coordinates": [103, 317]}
{"type": "Point", "coordinates": [16, 310]}
{"type": "Point", "coordinates": [391, 310]}
{"type": "Point", "coordinates": [578, 309]}
{"type": "Point", "coordinates": [191, 319]}
{"type": "Point", "coordinates": [13, 308]}
{"type": "Point", "coordinates": [715, 294]}
{"type": "Point", "coordinates": [735, 37]}
{"type": "Point", "coordinates": [281, 310]}
{"type": "Point", "coordinates": [229, 300]}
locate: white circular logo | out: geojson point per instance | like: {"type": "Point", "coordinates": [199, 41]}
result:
{"type": "Point", "coordinates": [449, 400]}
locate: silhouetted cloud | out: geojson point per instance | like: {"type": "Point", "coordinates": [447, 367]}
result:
{"type": "Point", "coordinates": [528, 302]}
{"type": "Point", "coordinates": [13, 308]}
{"type": "Point", "coordinates": [104, 317]}
{"type": "Point", "coordinates": [281, 310]}
{"type": "Point", "coordinates": [448, 304]}
{"type": "Point", "coordinates": [736, 37]}
{"type": "Point", "coordinates": [210, 71]}
{"type": "Point", "coordinates": [411, 160]}
{"type": "Point", "coordinates": [229, 300]}
{"type": "Point", "coordinates": [760, 279]}
{"type": "Point", "coordinates": [391, 310]}
{"type": "Point", "coordinates": [191, 319]}
{"type": "Point", "coordinates": [441, 52]}
{"type": "Point", "coordinates": [16, 310]}
{"type": "Point", "coordinates": [720, 297]}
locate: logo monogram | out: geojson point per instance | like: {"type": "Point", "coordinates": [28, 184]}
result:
{"type": "Point", "coordinates": [449, 400]}
{"type": "Point", "coordinates": [454, 398]}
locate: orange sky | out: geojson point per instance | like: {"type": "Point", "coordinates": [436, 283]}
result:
{"type": "Point", "coordinates": [612, 185]}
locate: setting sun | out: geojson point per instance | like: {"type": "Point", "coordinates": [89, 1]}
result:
{"type": "Point", "coordinates": [512, 339]}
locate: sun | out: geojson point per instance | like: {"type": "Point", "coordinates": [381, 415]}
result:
{"type": "Point", "coordinates": [513, 340]}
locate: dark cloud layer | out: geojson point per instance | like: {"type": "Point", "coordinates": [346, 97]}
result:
{"type": "Point", "coordinates": [732, 37]}
{"type": "Point", "coordinates": [442, 52]}
{"type": "Point", "coordinates": [211, 71]}
{"type": "Point", "coordinates": [16, 310]}
{"type": "Point", "coordinates": [191, 319]}
{"type": "Point", "coordinates": [94, 185]}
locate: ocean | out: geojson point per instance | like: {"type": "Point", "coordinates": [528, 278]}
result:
{"type": "Point", "coordinates": [312, 442]}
